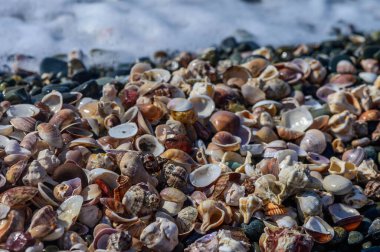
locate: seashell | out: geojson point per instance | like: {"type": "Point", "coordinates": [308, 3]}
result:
{"type": "Point", "coordinates": [120, 241]}
{"type": "Point", "coordinates": [233, 194]}
{"type": "Point", "coordinates": [18, 195]}
{"type": "Point", "coordinates": [372, 189]}
{"type": "Point", "coordinates": [367, 170]}
{"type": "Point", "coordinates": [276, 89]}
{"type": "Point", "coordinates": [149, 144]}
{"type": "Point", "coordinates": [186, 220]}
{"type": "Point", "coordinates": [308, 204]}
{"type": "Point", "coordinates": [202, 88]}
{"type": "Point", "coordinates": [172, 200]}
{"type": "Point", "coordinates": [225, 121]}
{"type": "Point", "coordinates": [288, 134]}
{"type": "Point", "coordinates": [341, 101]}
{"type": "Point", "coordinates": [6, 130]}
{"type": "Point", "coordinates": [274, 209]}
{"type": "Point", "coordinates": [178, 141]}
{"type": "Point", "coordinates": [294, 176]}
{"type": "Point", "coordinates": [355, 156]}
{"type": "Point", "coordinates": [268, 189]}
{"type": "Point", "coordinates": [347, 217]}
{"type": "Point", "coordinates": [69, 171]}
{"type": "Point", "coordinates": [266, 135]}
{"type": "Point", "coordinates": [203, 105]}
{"type": "Point", "coordinates": [161, 235]}
{"type": "Point", "coordinates": [13, 147]}
{"type": "Point", "coordinates": [341, 125]}
{"type": "Point", "coordinates": [205, 175]}
{"type": "Point", "coordinates": [26, 124]}
{"type": "Point", "coordinates": [123, 131]}
{"type": "Point", "coordinates": [22, 110]}
{"type": "Point", "coordinates": [138, 69]}
{"type": "Point", "coordinates": [141, 199]}
{"type": "Point", "coordinates": [4, 210]}
{"type": "Point", "coordinates": [71, 240]}
{"type": "Point", "coordinates": [43, 222]}
{"type": "Point", "coordinates": [14, 172]}
{"type": "Point", "coordinates": [180, 157]}
{"type": "Point", "coordinates": [69, 210]}
{"type": "Point", "coordinates": [236, 76]}
{"type": "Point", "coordinates": [35, 174]}
{"type": "Point", "coordinates": [356, 198]}
{"type": "Point", "coordinates": [131, 165]}
{"type": "Point", "coordinates": [339, 167]}
{"type": "Point", "coordinates": [313, 141]}
{"type": "Point", "coordinates": [85, 142]}
{"type": "Point", "coordinates": [48, 160]}
{"type": "Point", "coordinates": [152, 112]}
{"type": "Point", "coordinates": [50, 134]}
{"type": "Point", "coordinates": [53, 100]}
{"type": "Point", "coordinates": [226, 141]}
{"type": "Point", "coordinates": [91, 194]}
{"type": "Point", "coordinates": [175, 176]}
{"type": "Point", "coordinates": [298, 119]}
{"type": "Point", "coordinates": [248, 206]}
{"type": "Point", "coordinates": [90, 215]}
{"type": "Point", "coordinates": [319, 229]}
{"type": "Point", "coordinates": [14, 222]}
{"type": "Point", "coordinates": [370, 115]}
{"type": "Point", "coordinates": [67, 189]}
{"type": "Point", "coordinates": [212, 216]}
{"type": "Point", "coordinates": [156, 75]}
{"type": "Point", "coordinates": [252, 94]}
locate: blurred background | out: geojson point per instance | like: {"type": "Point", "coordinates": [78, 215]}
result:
{"type": "Point", "coordinates": [132, 28]}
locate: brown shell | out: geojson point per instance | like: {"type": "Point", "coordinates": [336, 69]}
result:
{"type": "Point", "coordinates": [62, 118]}
{"type": "Point", "coordinates": [222, 183]}
{"type": "Point", "coordinates": [18, 195]}
{"type": "Point", "coordinates": [370, 115]}
{"type": "Point", "coordinates": [43, 222]}
{"type": "Point", "coordinates": [288, 134]}
{"type": "Point", "coordinates": [225, 121]}
{"type": "Point", "coordinates": [50, 134]}
{"type": "Point", "coordinates": [14, 222]}
{"type": "Point", "coordinates": [372, 189]}
{"type": "Point", "coordinates": [69, 171]}
{"type": "Point", "coordinates": [141, 200]}
{"type": "Point", "coordinates": [14, 172]}
{"type": "Point", "coordinates": [175, 176]}
{"type": "Point", "coordinates": [26, 124]}
{"type": "Point", "coordinates": [274, 209]}
{"type": "Point", "coordinates": [124, 184]}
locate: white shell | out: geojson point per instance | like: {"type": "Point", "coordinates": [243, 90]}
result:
{"type": "Point", "coordinates": [340, 211]}
{"type": "Point", "coordinates": [298, 119]}
{"type": "Point", "coordinates": [203, 105]}
{"type": "Point", "coordinates": [205, 175]}
{"type": "Point", "coordinates": [22, 110]}
{"type": "Point", "coordinates": [122, 131]}
{"type": "Point", "coordinates": [69, 210]}
{"type": "Point", "coordinates": [109, 177]}
{"type": "Point", "coordinates": [179, 105]}
{"type": "Point", "coordinates": [149, 144]}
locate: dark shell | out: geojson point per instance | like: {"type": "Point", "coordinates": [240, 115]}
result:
{"type": "Point", "coordinates": [69, 171]}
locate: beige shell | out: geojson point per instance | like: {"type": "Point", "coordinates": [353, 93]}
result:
{"type": "Point", "coordinates": [172, 200]}
{"type": "Point", "coordinates": [26, 124]}
{"type": "Point", "coordinates": [53, 100]}
{"type": "Point", "coordinates": [367, 170]}
{"type": "Point", "coordinates": [43, 222]}
{"type": "Point", "coordinates": [248, 206]}
{"type": "Point", "coordinates": [122, 131]}
{"type": "Point", "coordinates": [294, 176]}
{"type": "Point", "coordinates": [212, 215]}
{"type": "Point", "coordinates": [345, 169]}
{"type": "Point", "coordinates": [203, 105]}
{"type": "Point", "coordinates": [48, 160]}
{"type": "Point", "coordinates": [341, 101]}
{"type": "Point", "coordinates": [268, 189]}
{"type": "Point", "coordinates": [67, 188]}
{"type": "Point", "coordinates": [233, 194]}
{"type": "Point", "coordinates": [342, 125]}
{"type": "Point", "coordinates": [35, 174]}
{"type": "Point", "coordinates": [205, 175]}
{"type": "Point", "coordinates": [22, 110]}
{"type": "Point", "coordinates": [186, 220]}
{"type": "Point", "coordinates": [131, 165]}
{"type": "Point", "coordinates": [252, 94]}
{"type": "Point", "coordinates": [69, 210]}
{"type": "Point", "coordinates": [161, 235]}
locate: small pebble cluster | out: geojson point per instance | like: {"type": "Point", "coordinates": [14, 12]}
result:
{"type": "Point", "coordinates": [237, 148]}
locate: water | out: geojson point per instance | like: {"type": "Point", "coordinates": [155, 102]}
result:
{"type": "Point", "coordinates": [134, 28]}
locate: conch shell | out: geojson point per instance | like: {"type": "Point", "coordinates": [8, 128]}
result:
{"type": "Point", "coordinates": [212, 215]}
{"type": "Point", "coordinates": [248, 205]}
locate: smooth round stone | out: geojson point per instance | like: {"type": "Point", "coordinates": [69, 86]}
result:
{"type": "Point", "coordinates": [89, 89]}
{"type": "Point", "coordinates": [53, 65]}
{"type": "Point", "coordinates": [355, 238]}
{"type": "Point", "coordinates": [337, 185]}
{"type": "Point", "coordinates": [254, 229]}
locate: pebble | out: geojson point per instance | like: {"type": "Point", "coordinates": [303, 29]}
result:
{"type": "Point", "coordinates": [337, 184]}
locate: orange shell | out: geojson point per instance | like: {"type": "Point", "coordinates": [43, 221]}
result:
{"type": "Point", "coordinates": [273, 209]}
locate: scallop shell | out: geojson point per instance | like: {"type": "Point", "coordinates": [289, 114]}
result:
{"type": "Point", "coordinates": [205, 175]}
{"type": "Point", "coordinates": [69, 210]}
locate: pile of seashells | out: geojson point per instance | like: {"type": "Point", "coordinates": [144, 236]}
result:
{"type": "Point", "coordinates": [239, 148]}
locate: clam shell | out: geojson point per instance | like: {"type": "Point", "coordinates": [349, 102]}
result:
{"type": "Point", "coordinates": [149, 144]}
{"type": "Point", "coordinates": [226, 141]}
{"type": "Point", "coordinates": [205, 175]}
{"type": "Point", "coordinates": [313, 141]}
{"type": "Point", "coordinates": [22, 110]}
{"type": "Point", "coordinates": [53, 100]}
{"type": "Point", "coordinates": [179, 105]}
{"type": "Point", "coordinates": [298, 119]}
{"type": "Point", "coordinates": [203, 105]}
{"type": "Point", "coordinates": [6, 130]}
{"type": "Point", "coordinates": [26, 124]}
{"type": "Point", "coordinates": [347, 217]}
{"type": "Point", "coordinates": [69, 210]}
{"type": "Point", "coordinates": [43, 222]}
{"type": "Point", "coordinates": [122, 131]}
{"type": "Point", "coordinates": [319, 229]}
{"type": "Point", "coordinates": [50, 134]}
{"type": "Point", "coordinates": [109, 177]}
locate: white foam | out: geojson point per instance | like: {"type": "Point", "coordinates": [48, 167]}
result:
{"type": "Point", "coordinates": [136, 28]}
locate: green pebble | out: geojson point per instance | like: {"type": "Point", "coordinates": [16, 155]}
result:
{"type": "Point", "coordinates": [367, 244]}
{"type": "Point", "coordinates": [355, 238]}
{"type": "Point", "coordinates": [233, 165]}
{"type": "Point", "coordinates": [253, 230]}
